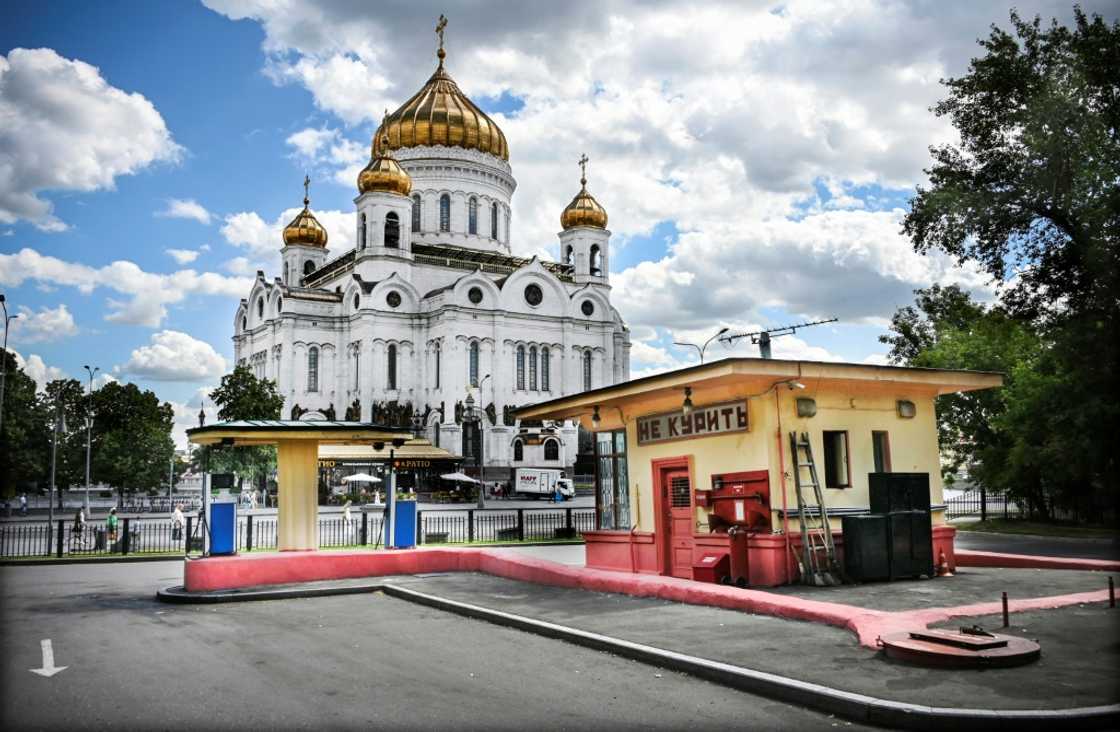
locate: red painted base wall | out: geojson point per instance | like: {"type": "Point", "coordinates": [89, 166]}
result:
{"type": "Point", "coordinates": [766, 553]}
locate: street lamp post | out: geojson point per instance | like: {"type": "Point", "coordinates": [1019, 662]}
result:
{"type": "Point", "coordinates": [4, 357]}
{"type": "Point", "coordinates": [59, 423]}
{"type": "Point", "coordinates": [702, 349]}
{"type": "Point", "coordinates": [89, 429]}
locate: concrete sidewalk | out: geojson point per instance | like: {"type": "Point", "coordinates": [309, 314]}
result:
{"type": "Point", "coordinates": [1067, 676]}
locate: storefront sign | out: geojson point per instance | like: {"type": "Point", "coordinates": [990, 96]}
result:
{"type": "Point", "coordinates": [408, 464]}
{"type": "Point", "coordinates": [714, 419]}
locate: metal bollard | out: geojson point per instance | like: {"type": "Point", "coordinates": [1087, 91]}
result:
{"type": "Point", "coordinates": [249, 533]}
{"type": "Point", "coordinates": [1006, 621]}
{"type": "Point", "coordinates": [1111, 593]}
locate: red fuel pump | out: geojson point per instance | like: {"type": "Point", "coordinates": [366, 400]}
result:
{"type": "Point", "coordinates": [740, 504]}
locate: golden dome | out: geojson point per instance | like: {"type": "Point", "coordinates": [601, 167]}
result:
{"type": "Point", "coordinates": [440, 114]}
{"type": "Point", "coordinates": [584, 210]}
{"type": "Point", "coordinates": [305, 229]}
{"type": "Point", "coordinates": [384, 173]}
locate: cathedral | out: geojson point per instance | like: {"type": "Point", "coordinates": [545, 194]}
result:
{"type": "Point", "coordinates": [430, 321]}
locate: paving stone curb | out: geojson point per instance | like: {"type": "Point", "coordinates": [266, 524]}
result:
{"type": "Point", "coordinates": [179, 595]}
{"type": "Point", "coordinates": [856, 707]}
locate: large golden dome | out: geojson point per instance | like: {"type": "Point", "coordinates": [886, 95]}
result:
{"type": "Point", "coordinates": [584, 210]}
{"type": "Point", "coordinates": [440, 114]}
{"type": "Point", "coordinates": [384, 173]}
{"type": "Point", "coordinates": [305, 229]}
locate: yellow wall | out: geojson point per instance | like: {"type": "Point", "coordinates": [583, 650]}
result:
{"type": "Point", "coordinates": [297, 475]}
{"type": "Point", "coordinates": [858, 409]}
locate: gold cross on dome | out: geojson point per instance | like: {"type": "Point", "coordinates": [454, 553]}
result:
{"type": "Point", "coordinates": [583, 166]}
{"type": "Point", "coordinates": [306, 190]}
{"type": "Point", "coordinates": [439, 28]}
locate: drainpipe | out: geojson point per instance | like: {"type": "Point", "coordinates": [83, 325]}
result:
{"type": "Point", "coordinates": [782, 477]}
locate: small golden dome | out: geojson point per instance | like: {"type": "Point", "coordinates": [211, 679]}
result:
{"type": "Point", "coordinates": [584, 210]}
{"type": "Point", "coordinates": [440, 114]}
{"type": "Point", "coordinates": [305, 229]}
{"type": "Point", "coordinates": [384, 173]}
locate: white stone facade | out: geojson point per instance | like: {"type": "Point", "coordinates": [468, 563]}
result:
{"type": "Point", "coordinates": [421, 324]}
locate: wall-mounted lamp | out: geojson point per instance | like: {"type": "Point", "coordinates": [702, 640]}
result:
{"type": "Point", "coordinates": [806, 407]}
{"type": "Point", "coordinates": [795, 385]}
{"type": "Point", "coordinates": [906, 409]}
{"type": "Point", "coordinates": [686, 408]}
{"type": "Point", "coordinates": [595, 421]}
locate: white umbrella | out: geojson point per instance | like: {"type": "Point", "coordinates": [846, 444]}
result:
{"type": "Point", "coordinates": [461, 477]}
{"type": "Point", "coordinates": [361, 478]}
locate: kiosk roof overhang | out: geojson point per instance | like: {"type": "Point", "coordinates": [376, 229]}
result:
{"type": "Point", "coordinates": [734, 378]}
{"type": "Point", "coordinates": [415, 449]}
{"type": "Point", "coordinates": [272, 431]}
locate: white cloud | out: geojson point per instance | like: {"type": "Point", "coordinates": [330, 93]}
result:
{"type": "Point", "coordinates": [263, 240]}
{"type": "Point", "coordinates": [325, 148]}
{"type": "Point", "coordinates": [63, 127]}
{"type": "Point", "coordinates": [102, 379]}
{"type": "Point", "coordinates": [46, 324]}
{"type": "Point", "coordinates": [308, 142]}
{"type": "Point", "coordinates": [182, 256]}
{"type": "Point", "coordinates": [149, 293]}
{"type": "Point", "coordinates": [175, 356]}
{"type": "Point", "coordinates": [185, 209]}
{"type": "Point", "coordinates": [186, 414]}
{"type": "Point", "coordinates": [40, 372]}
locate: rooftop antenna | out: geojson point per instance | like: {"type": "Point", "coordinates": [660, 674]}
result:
{"type": "Point", "coordinates": [762, 337]}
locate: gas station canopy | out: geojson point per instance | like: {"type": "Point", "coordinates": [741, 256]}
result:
{"type": "Point", "coordinates": [273, 431]}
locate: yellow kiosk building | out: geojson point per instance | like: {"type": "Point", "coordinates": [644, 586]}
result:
{"type": "Point", "coordinates": [707, 459]}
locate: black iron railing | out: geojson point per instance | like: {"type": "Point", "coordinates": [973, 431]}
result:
{"type": "Point", "coordinates": [982, 504]}
{"type": "Point", "coordinates": [136, 536]}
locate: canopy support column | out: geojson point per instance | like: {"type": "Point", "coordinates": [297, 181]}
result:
{"type": "Point", "coordinates": [297, 520]}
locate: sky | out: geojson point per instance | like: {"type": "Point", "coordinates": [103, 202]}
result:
{"type": "Point", "coordinates": [755, 159]}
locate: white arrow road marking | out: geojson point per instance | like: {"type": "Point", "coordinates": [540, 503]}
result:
{"type": "Point", "coordinates": [49, 669]}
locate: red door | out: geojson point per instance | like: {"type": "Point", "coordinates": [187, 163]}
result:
{"type": "Point", "coordinates": [678, 519]}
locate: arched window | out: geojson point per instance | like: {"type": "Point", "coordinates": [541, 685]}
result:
{"type": "Point", "coordinates": [532, 368]}
{"type": "Point", "coordinates": [445, 212]}
{"type": "Point", "coordinates": [545, 368]}
{"type": "Point", "coordinates": [551, 450]}
{"type": "Point", "coordinates": [392, 230]}
{"type": "Point", "coordinates": [286, 274]}
{"type": "Point", "coordinates": [568, 254]}
{"type": "Point", "coordinates": [391, 367]}
{"type": "Point", "coordinates": [472, 216]}
{"type": "Point", "coordinates": [494, 220]}
{"type": "Point", "coordinates": [244, 322]}
{"type": "Point", "coordinates": [438, 354]}
{"type": "Point", "coordinates": [362, 231]}
{"type": "Point", "coordinates": [521, 367]}
{"type": "Point", "coordinates": [472, 374]}
{"type": "Point", "coordinates": [313, 369]}
{"type": "Point", "coordinates": [518, 451]}
{"type": "Point", "coordinates": [260, 307]}
{"type": "Point", "coordinates": [357, 300]}
{"type": "Point", "coordinates": [416, 212]}
{"type": "Point", "coordinates": [357, 369]}
{"type": "Point", "coordinates": [308, 267]}
{"type": "Point", "coordinates": [587, 370]}
{"type": "Point", "coordinates": [595, 259]}
{"type": "Point", "coordinates": [279, 304]}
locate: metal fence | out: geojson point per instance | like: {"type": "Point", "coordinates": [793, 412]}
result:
{"type": "Point", "coordinates": [26, 539]}
{"type": "Point", "coordinates": [982, 504]}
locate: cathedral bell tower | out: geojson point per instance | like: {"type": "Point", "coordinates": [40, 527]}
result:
{"type": "Point", "coordinates": [384, 208]}
{"type": "Point", "coordinates": [305, 243]}
{"type": "Point", "coordinates": [584, 241]}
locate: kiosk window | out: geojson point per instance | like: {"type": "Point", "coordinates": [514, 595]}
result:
{"type": "Point", "coordinates": [881, 448]}
{"type": "Point", "coordinates": [612, 487]}
{"type": "Point", "coordinates": [837, 471]}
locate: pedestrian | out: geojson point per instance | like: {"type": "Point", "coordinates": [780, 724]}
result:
{"type": "Point", "coordinates": [347, 524]}
{"type": "Point", "coordinates": [111, 525]}
{"type": "Point", "coordinates": [23, 504]}
{"type": "Point", "coordinates": [77, 529]}
{"type": "Point", "coordinates": [177, 522]}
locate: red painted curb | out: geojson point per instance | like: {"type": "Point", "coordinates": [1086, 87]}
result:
{"type": "Point", "coordinates": [966, 558]}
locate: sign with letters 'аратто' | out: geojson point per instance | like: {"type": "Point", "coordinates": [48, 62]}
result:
{"type": "Point", "coordinates": [713, 419]}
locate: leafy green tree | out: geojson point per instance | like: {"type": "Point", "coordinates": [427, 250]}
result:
{"type": "Point", "coordinates": [1031, 196]}
{"type": "Point", "coordinates": [25, 435]}
{"type": "Point", "coordinates": [66, 398]}
{"type": "Point", "coordinates": [242, 396]}
{"type": "Point", "coordinates": [132, 443]}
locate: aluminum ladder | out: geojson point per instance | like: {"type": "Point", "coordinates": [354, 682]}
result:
{"type": "Point", "coordinates": [816, 570]}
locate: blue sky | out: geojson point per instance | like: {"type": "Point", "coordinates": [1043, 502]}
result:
{"type": "Point", "coordinates": [753, 177]}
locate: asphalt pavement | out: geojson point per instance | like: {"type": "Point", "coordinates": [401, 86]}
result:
{"type": "Point", "coordinates": [323, 663]}
{"type": "Point", "coordinates": [1047, 546]}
